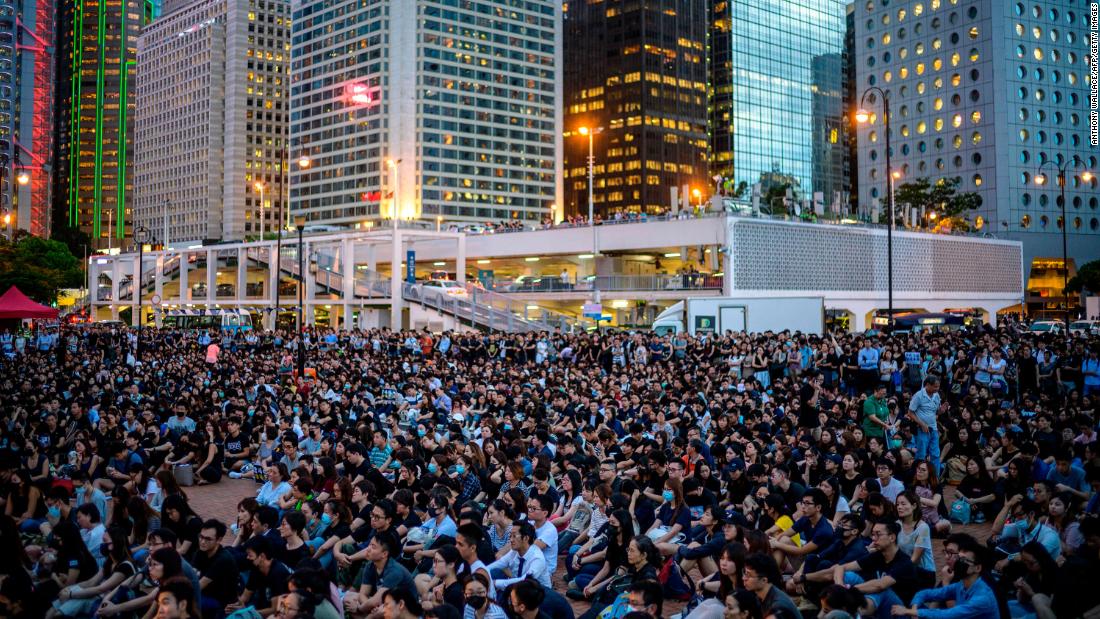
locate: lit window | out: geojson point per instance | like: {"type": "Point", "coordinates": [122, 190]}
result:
{"type": "Point", "coordinates": [901, 14]}
{"type": "Point", "coordinates": [937, 104]}
{"type": "Point", "coordinates": [975, 138]}
{"type": "Point", "coordinates": [920, 88]}
{"type": "Point", "coordinates": [956, 79]}
{"type": "Point", "coordinates": [905, 131]}
{"type": "Point", "coordinates": [886, 39]}
{"type": "Point", "coordinates": [920, 68]}
{"type": "Point", "coordinates": [957, 141]}
{"type": "Point", "coordinates": [922, 127]}
{"type": "Point", "coordinates": [955, 57]}
{"type": "Point", "coordinates": [938, 124]}
{"type": "Point", "coordinates": [903, 72]}
{"type": "Point", "coordinates": [936, 43]}
{"type": "Point", "coordinates": [873, 136]}
{"type": "Point", "coordinates": [974, 55]}
{"type": "Point", "coordinates": [1038, 53]}
{"type": "Point", "coordinates": [888, 76]}
{"type": "Point", "coordinates": [957, 121]}
{"type": "Point", "coordinates": [975, 117]}
{"type": "Point", "coordinates": [918, 9]}
{"type": "Point", "coordinates": [937, 64]}
{"type": "Point", "coordinates": [937, 83]}
{"type": "Point", "coordinates": [1019, 29]}
{"type": "Point", "coordinates": [1037, 32]}
{"type": "Point", "coordinates": [973, 32]}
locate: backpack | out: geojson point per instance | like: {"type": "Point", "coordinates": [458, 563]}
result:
{"type": "Point", "coordinates": [960, 512]}
{"type": "Point", "coordinates": [674, 582]}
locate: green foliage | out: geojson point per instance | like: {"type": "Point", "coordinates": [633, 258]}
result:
{"type": "Point", "coordinates": [739, 192]}
{"type": "Point", "coordinates": [941, 197]}
{"type": "Point", "coordinates": [39, 267]}
{"type": "Point", "coordinates": [1087, 278]}
{"type": "Point", "coordinates": [774, 198]}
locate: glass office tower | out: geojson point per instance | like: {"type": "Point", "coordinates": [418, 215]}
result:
{"type": "Point", "coordinates": [777, 97]}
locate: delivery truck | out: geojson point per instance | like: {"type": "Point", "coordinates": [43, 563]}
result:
{"type": "Point", "coordinates": [755, 315]}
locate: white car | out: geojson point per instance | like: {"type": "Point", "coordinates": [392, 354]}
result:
{"type": "Point", "coordinates": [1084, 327]}
{"type": "Point", "coordinates": [437, 288]}
{"type": "Point", "coordinates": [1047, 326]}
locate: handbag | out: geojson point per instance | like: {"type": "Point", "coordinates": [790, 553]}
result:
{"type": "Point", "coordinates": [960, 512]}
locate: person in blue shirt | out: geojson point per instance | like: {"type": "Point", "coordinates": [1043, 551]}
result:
{"type": "Point", "coordinates": [973, 598]}
{"type": "Point", "coordinates": [813, 527]}
{"type": "Point", "coordinates": [867, 358]}
{"type": "Point", "coordinates": [1025, 526]}
{"type": "Point", "coordinates": [1066, 477]}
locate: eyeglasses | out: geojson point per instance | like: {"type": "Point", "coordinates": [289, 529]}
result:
{"type": "Point", "coordinates": [808, 503]}
{"type": "Point", "coordinates": [377, 516]}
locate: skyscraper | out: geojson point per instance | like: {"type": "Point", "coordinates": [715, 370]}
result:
{"type": "Point", "coordinates": [777, 95]}
{"type": "Point", "coordinates": [211, 121]}
{"type": "Point", "coordinates": [985, 91]}
{"type": "Point", "coordinates": [26, 120]}
{"type": "Point", "coordinates": [638, 71]}
{"type": "Point", "coordinates": [93, 152]}
{"type": "Point", "coordinates": [425, 108]}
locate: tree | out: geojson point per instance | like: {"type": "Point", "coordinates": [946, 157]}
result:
{"type": "Point", "coordinates": [943, 204]}
{"type": "Point", "coordinates": [1087, 278]}
{"type": "Point", "coordinates": [39, 267]}
{"type": "Point", "coordinates": [775, 198]}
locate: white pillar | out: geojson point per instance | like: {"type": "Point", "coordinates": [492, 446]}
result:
{"type": "Point", "coordinates": [460, 262]}
{"type": "Point", "coordinates": [308, 279]}
{"type": "Point", "coordinates": [727, 274]}
{"type": "Point", "coordinates": [347, 264]}
{"type": "Point", "coordinates": [93, 285]}
{"type": "Point", "coordinates": [185, 286]}
{"type": "Point", "coordinates": [273, 264]}
{"type": "Point", "coordinates": [242, 274]}
{"type": "Point", "coordinates": [158, 276]}
{"type": "Point", "coordinates": [116, 274]}
{"type": "Point", "coordinates": [211, 276]}
{"type": "Point", "coordinates": [395, 282]}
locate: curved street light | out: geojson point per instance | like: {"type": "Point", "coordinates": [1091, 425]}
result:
{"type": "Point", "coordinates": [863, 116]}
{"type": "Point", "coordinates": [1041, 179]}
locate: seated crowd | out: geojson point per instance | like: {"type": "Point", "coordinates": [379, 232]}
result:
{"type": "Point", "coordinates": [541, 476]}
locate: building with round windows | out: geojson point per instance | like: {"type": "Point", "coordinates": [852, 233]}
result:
{"type": "Point", "coordinates": [986, 91]}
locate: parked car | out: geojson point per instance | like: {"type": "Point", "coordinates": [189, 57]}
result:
{"type": "Point", "coordinates": [1047, 326]}
{"type": "Point", "coordinates": [438, 288]}
{"type": "Point", "coordinates": [1085, 327]}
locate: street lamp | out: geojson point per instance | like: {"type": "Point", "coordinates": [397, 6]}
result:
{"type": "Point", "coordinates": [300, 223]}
{"type": "Point", "coordinates": [141, 237]}
{"type": "Point", "coordinates": [259, 186]}
{"type": "Point", "coordinates": [862, 116]}
{"type": "Point", "coordinates": [590, 133]}
{"type": "Point", "coordinates": [698, 195]}
{"type": "Point", "coordinates": [23, 178]}
{"type": "Point", "coordinates": [7, 224]}
{"type": "Point", "coordinates": [1041, 179]}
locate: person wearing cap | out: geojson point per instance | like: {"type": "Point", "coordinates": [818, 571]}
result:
{"type": "Point", "coordinates": [707, 540]}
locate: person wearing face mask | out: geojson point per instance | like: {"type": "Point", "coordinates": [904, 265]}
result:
{"type": "Point", "coordinates": [971, 595]}
{"type": "Point", "coordinates": [478, 603]}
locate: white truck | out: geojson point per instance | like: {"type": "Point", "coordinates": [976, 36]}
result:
{"type": "Point", "coordinates": [755, 315]}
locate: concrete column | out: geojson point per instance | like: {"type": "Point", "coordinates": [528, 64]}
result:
{"type": "Point", "coordinates": [158, 276]}
{"type": "Point", "coordinates": [347, 267]}
{"type": "Point", "coordinates": [242, 274]}
{"type": "Point", "coordinates": [310, 284]}
{"type": "Point", "coordinates": [116, 274]}
{"type": "Point", "coordinates": [135, 290]}
{"type": "Point", "coordinates": [185, 286]}
{"type": "Point", "coordinates": [372, 258]}
{"type": "Point", "coordinates": [211, 276]}
{"type": "Point", "coordinates": [460, 261]}
{"type": "Point", "coordinates": [92, 285]}
{"type": "Point", "coordinates": [395, 282]}
{"type": "Point", "coordinates": [727, 275]}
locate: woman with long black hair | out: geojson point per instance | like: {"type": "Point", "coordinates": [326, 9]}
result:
{"type": "Point", "coordinates": [178, 517]}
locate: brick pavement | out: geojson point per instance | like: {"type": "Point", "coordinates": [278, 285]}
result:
{"type": "Point", "coordinates": [220, 501]}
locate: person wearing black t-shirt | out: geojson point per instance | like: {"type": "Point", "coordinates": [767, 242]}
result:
{"type": "Point", "coordinates": [887, 577]}
{"type": "Point", "coordinates": [237, 448]}
{"type": "Point", "coordinates": [267, 580]}
{"type": "Point", "coordinates": [218, 573]}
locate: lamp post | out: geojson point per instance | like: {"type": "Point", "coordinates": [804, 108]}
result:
{"type": "Point", "coordinates": [392, 165]}
{"type": "Point", "coordinates": [1041, 179]}
{"type": "Point", "coordinates": [141, 237]}
{"type": "Point", "coordinates": [590, 133]}
{"type": "Point", "coordinates": [863, 116]}
{"type": "Point", "coordinates": [300, 223]}
{"type": "Point", "coordinates": [259, 186]}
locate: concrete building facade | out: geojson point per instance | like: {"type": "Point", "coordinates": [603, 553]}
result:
{"type": "Point", "coordinates": [987, 91]}
{"type": "Point", "coordinates": [425, 109]}
{"type": "Point", "coordinates": [211, 127]}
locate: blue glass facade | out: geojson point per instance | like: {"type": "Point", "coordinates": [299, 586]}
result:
{"type": "Point", "coordinates": [777, 95]}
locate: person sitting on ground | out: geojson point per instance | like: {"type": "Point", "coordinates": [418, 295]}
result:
{"type": "Point", "coordinates": [971, 596]}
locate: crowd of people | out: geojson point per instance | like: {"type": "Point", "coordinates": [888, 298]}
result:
{"type": "Point", "coordinates": [539, 476]}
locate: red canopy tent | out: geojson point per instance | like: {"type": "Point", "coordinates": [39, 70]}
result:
{"type": "Point", "coordinates": [15, 304]}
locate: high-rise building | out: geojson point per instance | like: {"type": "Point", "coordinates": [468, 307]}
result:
{"type": "Point", "coordinates": [985, 91]}
{"type": "Point", "coordinates": [777, 95]}
{"type": "Point", "coordinates": [93, 152]}
{"type": "Point", "coordinates": [425, 108]}
{"type": "Point", "coordinates": [637, 73]}
{"type": "Point", "coordinates": [211, 120]}
{"type": "Point", "coordinates": [26, 119]}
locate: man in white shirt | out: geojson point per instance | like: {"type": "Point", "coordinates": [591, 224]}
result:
{"type": "Point", "coordinates": [524, 560]}
{"type": "Point", "coordinates": [539, 507]}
